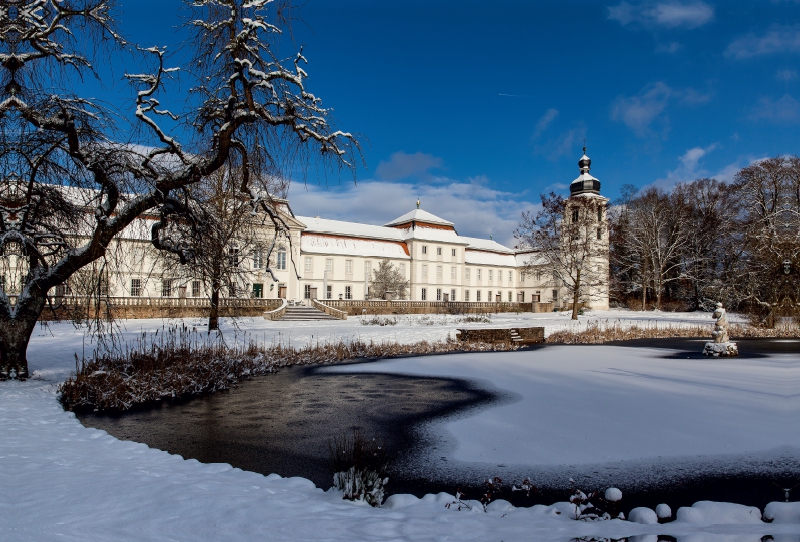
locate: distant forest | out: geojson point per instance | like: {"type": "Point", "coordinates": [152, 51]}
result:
{"type": "Point", "coordinates": [707, 241]}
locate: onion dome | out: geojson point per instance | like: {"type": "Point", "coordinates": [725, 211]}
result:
{"type": "Point", "coordinates": [585, 183]}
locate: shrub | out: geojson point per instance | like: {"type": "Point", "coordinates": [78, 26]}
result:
{"type": "Point", "coordinates": [358, 464]}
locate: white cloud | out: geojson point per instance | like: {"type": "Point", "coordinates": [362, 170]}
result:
{"type": "Point", "coordinates": [786, 75]}
{"type": "Point", "coordinates": [476, 209]}
{"type": "Point", "coordinates": [548, 117]}
{"type": "Point", "coordinates": [402, 165]}
{"type": "Point", "coordinates": [785, 110]}
{"type": "Point", "coordinates": [689, 168]}
{"type": "Point", "coordinates": [674, 14]}
{"type": "Point", "coordinates": [669, 48]}
{"type": "Point", "coordinates": [563, 145]}
{"type": "Point", "coordinates": [778, 39]}
{"type": "Point", "coordinates": [639, 112]}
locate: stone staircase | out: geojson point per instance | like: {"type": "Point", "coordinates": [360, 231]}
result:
{"type": "Point", "coordinates": [302, 314]}
{"type": "Point", "coordinates": [515, 338]}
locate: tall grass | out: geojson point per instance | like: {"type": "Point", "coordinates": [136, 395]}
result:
{"type": "Point", "coordinates": [180, 362]}
{"type": "Point", "coordinates": [603, 331]}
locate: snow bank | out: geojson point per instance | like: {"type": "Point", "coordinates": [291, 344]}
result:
{"type": "Point", "coordinates": [718, 513]}
{"type": "Point", "coordinates": [782, 512]}
{"type": "Point", "coordinates": [643, 515]}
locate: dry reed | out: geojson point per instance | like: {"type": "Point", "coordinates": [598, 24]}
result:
{"type": "Point", "coordinates": [599, 332]}
{"type": "Point", "coordinates": [183, 363]}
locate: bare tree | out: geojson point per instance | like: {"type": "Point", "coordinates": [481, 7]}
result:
{"type": "Point", "coordinates": [388, 278]}
{"type": "Point", "coordinates": [570, 243]}
{"type": "Point", "coordinates": [767, 275]}
{"type": "Point", "coordinates": [70, 186]}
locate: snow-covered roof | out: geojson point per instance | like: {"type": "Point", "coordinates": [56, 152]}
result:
{"type": "Point", "coordinates": [349, 229]}
{"type": "Point", "coordinates": [480, 257]}
{"type": "Point", "coordinates": [486, 245]}
{"type": "Point", "coordinates": [528, 258]}
{"type": "Point", "coordinates": [584, 177]}
{"type": "Point", "coordinates": [418, 215]}
{"type": "Point", "coordinates": [311, 243]}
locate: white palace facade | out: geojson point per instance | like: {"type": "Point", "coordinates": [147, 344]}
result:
{"type": "Point", "coordinates": [332, 259]}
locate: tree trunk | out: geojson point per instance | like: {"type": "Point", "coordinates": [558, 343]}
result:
{"type": "Point", "coordinates": [15, 334]}
{"type": "Point", "coordinates": [213, 315]}
{"type": "Point", "coordinates": [644, 289]}
{"type": "Point", "coordinates": [575, 293]}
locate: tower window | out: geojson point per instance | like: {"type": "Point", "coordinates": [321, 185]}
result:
{"type": "Point", "coordinates": [575, 215]}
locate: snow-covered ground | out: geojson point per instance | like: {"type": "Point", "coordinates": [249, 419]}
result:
{"type": "Point", "coordinates": [60, 480]}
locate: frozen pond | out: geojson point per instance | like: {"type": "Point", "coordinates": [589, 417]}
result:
{"type": "Point", "coordinates": [658, 420]}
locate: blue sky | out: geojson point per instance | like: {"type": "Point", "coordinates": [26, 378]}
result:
{"type": "Point", "coordinates": [478, 107]}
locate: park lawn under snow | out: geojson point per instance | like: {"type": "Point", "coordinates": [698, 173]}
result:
{"type": "Point", "coordinates": [63, 481]}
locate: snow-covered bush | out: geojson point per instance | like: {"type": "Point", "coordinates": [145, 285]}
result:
{"type": "Point", "coordinates": [596, 505]}
{"type": "Point", "coordinates": [358, 464]}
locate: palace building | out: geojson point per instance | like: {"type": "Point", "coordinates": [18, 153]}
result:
{"type": "Point", "coordinates": [336, 259]}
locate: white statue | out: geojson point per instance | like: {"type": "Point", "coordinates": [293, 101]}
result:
{"type": "Point", "coordinates": [722, 346]}
{"type": "Point", "coordinates": [720, 332]}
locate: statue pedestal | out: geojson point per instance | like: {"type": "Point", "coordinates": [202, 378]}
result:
{"type": "Point", "coordinates": [726, 349]}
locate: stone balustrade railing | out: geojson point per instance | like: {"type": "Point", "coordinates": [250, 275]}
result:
{"type": "Point", "coordinates": [330, 311]}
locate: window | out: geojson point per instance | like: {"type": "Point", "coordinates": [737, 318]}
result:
{"type": "Point", "coordinates": [555, 295]}
{"type": "Point", "coordinates": [232, 290]}
{"type": "Point", "coordinates": [466, 295]}
{"type": "Point", "coordinates": [522, 278]}
{"type": "Point", "coordinates": [453, 252]}
{"type": "Point", "coordinates": [307, 291]}
{"type": "Point", "coordinates": [166, 288]}
{"type": "Point", "coordinates": [136, 287]}
{"type": "Point", "coordinates": [438, 251]}
{"type": "Point", "coordinates": [348, 268]}
{"type": "Point", "coordinates": [489, 297]}
{"type": "Point", "coordinates": [258, 291]}
{"type": "Point", "coordinates": [510, 277]}
{"type": "Point", "coordinates": [329, 292]}
{"type": "Point", "coordinates": [367, 269]}
{"type": "Point", "coordinates": [438, 271]}
{"type": "Point", "coordinates": [509, 297]}
{"type": "Point", "coordinates": [599, 233]}
{"type": "Point", "coordinates": [453, 273]}
{"type": "Point", "coordinates": [538, 274]}
{"type": "Point", "coordinates": [280, 263]}
{"type": "Point", "coordinates": [599, 214]}
{"type": "Point", "coordinates": [478, 296]}
{"type": "Point", "coordinates": [575, 215]}
{"type": "Point", "coordinates": [466, 273]}
{"type": "Point", "coordinates": [424, 294]}
{"type": "Point", "coordinates": [438, 294]}
{"type": "Point", "coordinates": [491, 276]}
{"type": "Point", "coordinates": [195, 288]}
{"type": "Point", "coordinates": [309, 265]}
{"type": "Point", "coordinates": [424, 249]}
{"type": "Point", "coordinates": [479, 275]}
{"type": "Point", "coordinates": [452, 295]}
{"type": "Point", "coordinates": [329, 265]}
{"type": "Point", "coordinates": [500, 276]}
{"type": "Point", "coordinates": [348, 292]}
{"type": "Point", "coordinates": [424, 271]}
{"type": "Point", "coordinates": [402, 268]}
{"type": "Point", "coordinates": [258, 259]}
{"type": "Point", "coordinates": [233, 257]}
